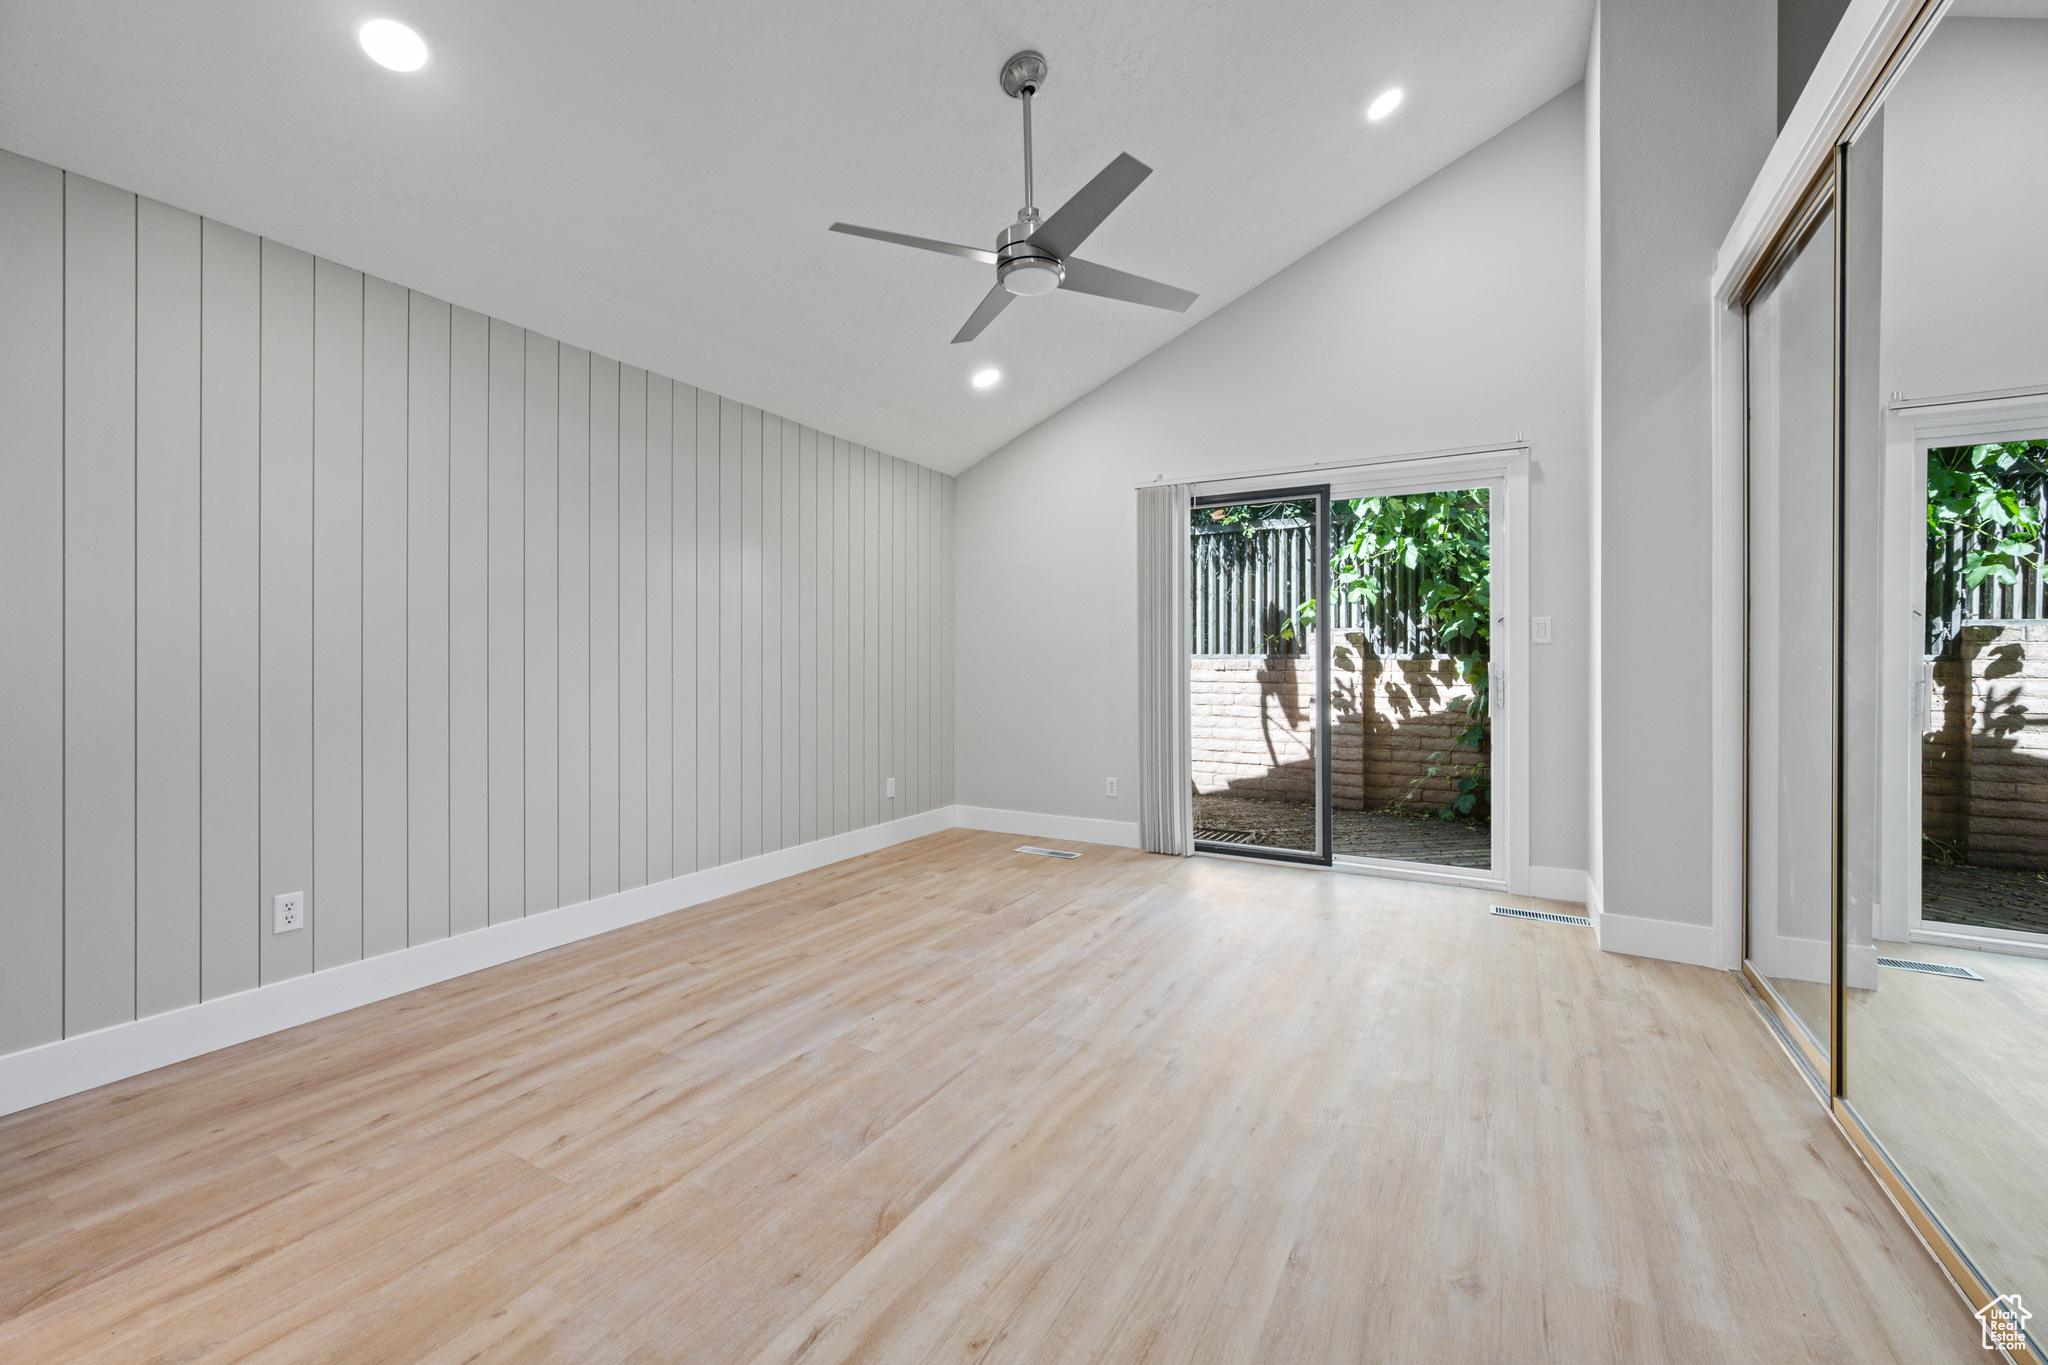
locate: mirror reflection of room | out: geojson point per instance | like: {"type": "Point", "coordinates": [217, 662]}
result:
{"type": "Point", "coordinates": [1791, 612]}
{"type": "Point", "coordinates": [1946, 807]}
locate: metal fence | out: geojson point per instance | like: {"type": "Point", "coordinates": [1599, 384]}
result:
{"type": "Point", "coordinates": [1952, 604]}
{"type": "Point", "coordinates": [1247, 587]}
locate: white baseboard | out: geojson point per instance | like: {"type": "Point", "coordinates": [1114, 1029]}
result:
{"type": "Point", "coordinates": [39, 1074]}
{"type": "Point", "coordinates": [1812, 959]}
{"type": "Point", "coordinates": [1984, 941]}
{"type": "Point", "coordinates": [1793, 959]}
{"type": "Point", "coordinates": [1558, 883]}
{"type": "Point", "coordinates": [1660, 938]}
{"type": "Point", "coordinates": [1637, 936]}
{"type": "Point", "coordinates": [1079, 828]}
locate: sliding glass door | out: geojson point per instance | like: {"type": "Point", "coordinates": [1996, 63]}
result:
{"type": "Point", "coordinates": [1412, 637]}
{"type": "Point", "coordinates": [1259, 678]}
{"type": "Point", "coordinates": [1343, 681]}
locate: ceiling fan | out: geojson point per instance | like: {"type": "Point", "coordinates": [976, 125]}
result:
{"type": "Point", "coordinates": [1036, 257]}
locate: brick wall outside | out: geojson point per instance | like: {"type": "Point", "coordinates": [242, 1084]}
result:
{"type": "Point", "coordinates": [1984, 771]}
{"type": "Point", "coordinates": [1253, 718]}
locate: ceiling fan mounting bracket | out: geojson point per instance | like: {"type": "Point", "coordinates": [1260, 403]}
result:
{"type": "Point", "coordinates": [1025, 71]}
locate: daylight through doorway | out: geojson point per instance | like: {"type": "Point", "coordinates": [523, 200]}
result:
{"type": "Point", "coordinates": [1390, 679]}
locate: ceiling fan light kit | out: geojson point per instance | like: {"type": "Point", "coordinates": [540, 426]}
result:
{"type": "Point", "coordinates": [1034, 255]}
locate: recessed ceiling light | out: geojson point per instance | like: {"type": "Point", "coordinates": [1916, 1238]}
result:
{"type": "Point", "coordinates": [393, 45]}
{"type": "Point", "coordinates": [1384, 105]}
{"type": "Point", "coordinates": [985, 378]}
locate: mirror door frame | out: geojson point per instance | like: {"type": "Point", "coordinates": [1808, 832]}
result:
{"type": "Point", "coordinates": [1823, 198]}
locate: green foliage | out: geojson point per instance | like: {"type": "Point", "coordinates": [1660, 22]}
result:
{"type": "Point", "coordinates": [1473, 785]}
{"type": "Point", "coordinates": [1446, 538]}
{"type": "Point", "coordinates": [1974, 492]}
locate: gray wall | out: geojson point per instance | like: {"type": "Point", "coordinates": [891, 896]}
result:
{"type": "Point", "coordinates": [1453, 316]}
{"type": "Point", "coordinates": [311, 582]}
{"type": "Point", "coordinates": [1804, 28]}
{"type": "Point", "coordinates": [1966, 212]}
{"type": "Point", "coordinates": [1687, 112]}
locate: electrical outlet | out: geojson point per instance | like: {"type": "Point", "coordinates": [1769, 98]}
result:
{"type": "Point", "coordinates": [1539, 630]}
{"type": "Point", "coordinates": [1112, 787]}
{"type": "Point", "coordinates": [290, 912]}
{"type": "Point", "coordinates": [891, 793]}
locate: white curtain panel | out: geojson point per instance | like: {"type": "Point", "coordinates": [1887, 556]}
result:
{"type": "Point", "coordinates": [1166, 813]}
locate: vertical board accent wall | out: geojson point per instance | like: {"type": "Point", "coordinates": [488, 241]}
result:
{"type": "Point", "coordinates": [314, 583]}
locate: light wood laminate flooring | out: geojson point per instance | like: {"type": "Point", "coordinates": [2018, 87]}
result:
{"type": "Point", "coordinates": [1946, 1074]}
{"type": "Point", "coordinates": [948, 1102]}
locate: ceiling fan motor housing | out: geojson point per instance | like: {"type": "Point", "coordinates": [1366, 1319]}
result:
{"type": "Point", "coordinates": [1023, 268]}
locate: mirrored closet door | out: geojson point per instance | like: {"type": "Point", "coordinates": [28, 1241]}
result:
{"type": "Point", "coordinates": [1897, 706]}
{"type": "Point", "coordinates": [1944, 1005]}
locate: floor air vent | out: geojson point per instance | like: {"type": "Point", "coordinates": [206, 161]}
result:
{"type": "Point", "coordinates": [1047, 852]}
{"type": "Point", "coordinates": [1907, 964]}
{"type": "Point", "coordinates": [1548, 918]}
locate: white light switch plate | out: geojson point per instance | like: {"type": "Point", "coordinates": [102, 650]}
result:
{"type": "Point", "coordinates": [1539, 630]}
{"type": "Point", "coordinates": [290, 912]}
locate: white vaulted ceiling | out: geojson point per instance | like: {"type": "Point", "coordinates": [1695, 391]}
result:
{"type": "Point", "coordinates": [654, 181]}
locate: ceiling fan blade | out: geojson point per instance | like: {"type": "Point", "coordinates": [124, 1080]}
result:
{"type": "Point", "coordinates": [1071, 223]}
{"type": "Point", "coordinates": [972, 253]}
{"type": "Point", "coordinates": [1086, 277]}
{"type": "Point", "coordinates": [996, 300]}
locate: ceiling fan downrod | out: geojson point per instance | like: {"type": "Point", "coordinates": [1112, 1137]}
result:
{"type": "Point", "coordinates": [1030, 200]}
{"type": "Point", "coordinates": [1023, 75]}
{"type": "Point", "coordinates": [1021, 266]}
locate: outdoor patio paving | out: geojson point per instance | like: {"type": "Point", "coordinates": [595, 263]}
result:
{"type": "Point", "coordinates": [1986, 897]}
{"type": "Point", "coordinates": [1418, 838]}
